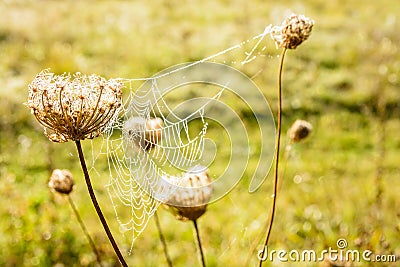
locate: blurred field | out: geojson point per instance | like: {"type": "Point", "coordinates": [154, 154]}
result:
{"type": "Point", "coordinates": [344, 80]}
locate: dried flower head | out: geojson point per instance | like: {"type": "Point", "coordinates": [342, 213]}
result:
{"type": "Point", "coordinates": [74, 107]}
{"type": "Point", "coordinates": [153, 131]}
{"type": "Point", "coordinates": [299, 130]}
{"type": "Point", "coordinates": [144, 133]}
{"type": "Point", "coordinates": [61, 181]}
{"type": "Point", "coordinates": [190, 200]}
{"type": "Point", "coordinates": [294, 30]}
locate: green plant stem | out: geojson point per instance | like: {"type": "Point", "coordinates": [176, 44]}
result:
{"type": "Point", "coordinates": [163, 242]}
{"type": "Point", "coordinates": [380, 147]}
{"type": "Point", "coordinates": [199, 243]}
{"type": "Point", "coordinates": [97, 206]}
{"type": "Point", "coordinates": [277, 149]}
{"type": "Point", "coordinates": [379, 164]}
{"type": "Point", "coordinates": [84, 229]}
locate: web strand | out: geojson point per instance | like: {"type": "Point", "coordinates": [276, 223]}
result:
{"type": "Point", "coordinates": [137, 178]}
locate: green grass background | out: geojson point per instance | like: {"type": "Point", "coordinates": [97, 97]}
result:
{"type": "Point", "coordinates": [344, 80]}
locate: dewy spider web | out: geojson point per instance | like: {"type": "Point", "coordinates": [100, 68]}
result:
{"type": "Point", "coordinates": [140, 180]}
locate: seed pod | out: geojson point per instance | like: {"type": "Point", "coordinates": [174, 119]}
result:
{"type": "Point", "coordinates": [153, 132]}
{"type": "Point", "coordinates": [294, 30]}
{"type": "Point", "coordinates": [61, 181]}
{"type": "Point", "coordinates": [299, 130]}
{"type": "Point", "coordinates": [189, 200]}
{"type": "Point", "coordinates": [145, 134]}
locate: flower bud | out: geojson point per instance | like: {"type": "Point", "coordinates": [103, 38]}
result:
{"type": "Point", "coordinates": [189, 201]}
{"type": "Point", "coordinates": [294, 30]}
{"type": "Point", "coordinates": [61, 181]}
{"type": "Point", "coordinates": [145, 134]}
{"type": "Point", "coordinates": [299, 130]}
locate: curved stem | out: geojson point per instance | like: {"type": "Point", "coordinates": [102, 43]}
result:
{"type": "Point", "coordinates": [96, 205]}
{"type": "Point", "coordinates": [84, 229]}
{"type": "Point", "coordinates": [199, 243]}
{"type": "Point", "coordinates": [277, 148]}
{"type": "Point", "coordinates": [163, 242]}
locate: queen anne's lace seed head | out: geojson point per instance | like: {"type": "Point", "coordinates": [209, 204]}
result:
{"type": "Point", "coordinates": [299, 130]}
{"type": "Point", "coordinates": [153, 132]}
{"type": "Point", "coordinates": [189, 202]}
{"type": "Point", "coordinates": [74, 107]}
{"type": "Point", "coordinates": [144, 133]}
{"type": "Point", "coordinates": [294, 30]}
{"type": "Point", "coordinates": [61, 181]}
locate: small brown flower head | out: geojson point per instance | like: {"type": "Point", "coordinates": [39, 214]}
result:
{"type": "Point", "coordinates": [74, 107]}
{"type": "Point", "coordinates": [153, 132]}
{"type": "Point", "coordinates": [294, 30]}
{"type": "Point", "coordinates": [190, 200]}
{"type": "Point", "coordinates": [299, 130]}
{"type": "Point", "coordinates": [146, 134]}
{"type": "Point", "coordinates": [61, 181]}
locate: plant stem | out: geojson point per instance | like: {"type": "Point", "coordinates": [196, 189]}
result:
{"type": "Point", "coordinates": [277, 148]}
{"type": "Point", "coordinates": [380, 147]}
{"type": "Point", "coordinates": [265, 227]}
{"type": "Point", "coordinates": [163, 242]}
{"type": "Point", "coordinates": [96, 205]}
{"type": "Point", "coordinates": [284, 163]}
{"type": "Point", "coordinates": [85, 231]}
{"type": "Point", "coordinates": [49, 157]}
{"type": "Point", "coordinates": [199, 243]}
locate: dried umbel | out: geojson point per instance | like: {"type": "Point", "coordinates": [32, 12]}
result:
{"type": "Point", "coordinates": [190, 200]}
{"type": "Point", "coordinates": [153, 131]}
{"type": "Point", "coordinates": [144, 133]}
{"type": "Point", "coordinates": [61, 181]}
{"type": "Point", "coordinates": [299, 130]}
{"type": "Point", "coordinates": [294, 30]}
{"type": "Point", "coordinates": [74, 107]}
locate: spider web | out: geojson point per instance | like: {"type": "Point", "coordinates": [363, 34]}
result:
{"type": "Point", "coordinates": [140, 179]}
